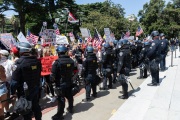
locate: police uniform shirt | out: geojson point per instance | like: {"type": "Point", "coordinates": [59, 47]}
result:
{"type": "Point", "coordinates": [154, 50]}
{"type": "Point", "coordinates": [28, 69]}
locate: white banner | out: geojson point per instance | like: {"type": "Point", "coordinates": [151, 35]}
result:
{"type": "Point", "coordinates": [84, 32]}
{"type": "Point", "coordinates": [61, 40]}
{"type": "Point", "coordinates": [22, 38]}
{"type": "Point", "coordinates": [107, 34]}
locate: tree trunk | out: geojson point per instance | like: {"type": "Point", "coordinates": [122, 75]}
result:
{"type": "Point", "coordinates": [22, 22]}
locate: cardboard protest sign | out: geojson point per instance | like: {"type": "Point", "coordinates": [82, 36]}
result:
{"type": "Point", "coordinates": [61, 39]}
{"type": "Point", "coordinates": [84, 32]}
{"type": "Point", "coordinates": [22, 38]}
{"type": "Point", "coordinates": [107, 34]}
{"type": "Point", "coordinates": [6, 39]}
{"type": "Point", "coordinates": [48, 36]}
{"type": "Point", "coordinates": [47, 64]}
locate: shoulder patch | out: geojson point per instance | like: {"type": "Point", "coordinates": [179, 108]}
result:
{"type": "Point", "coordinates": [14, 67]}
{"type": "Point", "coordinates": [121, 53]}
{"type": "Point", "coordinates": [153, 44]}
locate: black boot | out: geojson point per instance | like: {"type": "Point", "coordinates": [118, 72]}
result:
{"type": "Point", "coordinates": [57, 117]}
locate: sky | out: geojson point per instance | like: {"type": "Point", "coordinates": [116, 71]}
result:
{"type": "Point", "coordinates": [130, 6]}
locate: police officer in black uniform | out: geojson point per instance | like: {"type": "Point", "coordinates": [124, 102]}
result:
{"type": "Point", "coordinates": [154, 57]}
{"type": "Point", "coordinates": [89, 69]}
{"type": "Point", "coordinates": [107, 61]}
{"type": "Point", "coordinates": [28, 71]}
{"type": "Point", "coordinates": [123, 70]}
{"type": "Point", "coordinates": [144, 63]}
{"type": "Point", "coordinates": [115, 61]}
{"type": "Point", "coordinates": [133, 48]}
{"type": "Point", "coordinates": [62, 71]}
{"type": "Point", "coordinates": [164, 51]}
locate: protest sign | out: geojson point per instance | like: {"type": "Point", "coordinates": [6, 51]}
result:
{"type": "Point", "coordinates": [61, 40]}
{"type": "Point", "coordinates": [47, 64]}
{"type": "Point", "coordinates": [22, 38]}
{"type": "Point", "coordinates": [84, 32]}
{"type": "Point", "coordinates": [6, 39]}
{"type": "Point", "coordinates": [107, 34]}
{"type": "Point", "coordinates": [48, 36]}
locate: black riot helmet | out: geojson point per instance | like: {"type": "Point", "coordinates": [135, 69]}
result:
{"type": "Point", "coordinates": [154, 33]}
{"type": "Point", "coordinates": [89, 49]}
{"type": "Point", "coordinates": [162, 34]}
{"type": "Point", "coordinates": [61, 49]}
{"type": "Point", "coordinates": [24, 47]}
{"type": "Point", "coordinates": [125, 42]}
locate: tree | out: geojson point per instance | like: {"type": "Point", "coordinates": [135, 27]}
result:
{"type": "Point", "coordinates": [150, 16]}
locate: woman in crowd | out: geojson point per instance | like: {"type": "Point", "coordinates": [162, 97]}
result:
{"type": "Point", "coordinates": [3, 91]}
{"type": "Point", "coordinates": [48, 84]}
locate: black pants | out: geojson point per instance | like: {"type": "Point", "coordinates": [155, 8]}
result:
{"type": "Point", "coordinates": [36, 109]}
{"type": "Point", "coordinates": [90, 84]}
{"type": "Point", "coordinates": [163, 62]}
{"type": "Point", "coordinates": [107, 75]}
{"type": "Point", "coordinates": [125, 88]}
{"type": "Point", "coordinates": [49, 86]}
{"type": "Point", "coordinates": [143, 73]}
{"type": "Point", "coordinates": [66, 93]}
{"type": "Point", "coordinates": [154, 68]}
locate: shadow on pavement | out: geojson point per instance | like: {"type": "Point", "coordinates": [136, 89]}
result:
{"type": "Point", "coordinates": [132, 73]}
{"type": "Point", "coordinates": [80, 107]}
{"type": "Point", "coordinates": [102, 93]}
{"type": "Point", "coordinates": [161, 79]}
{"type": "Point", "coordinates": [131, 92]}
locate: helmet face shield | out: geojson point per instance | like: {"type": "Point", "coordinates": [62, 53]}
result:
{"type": "Point", "coordinates": [24, 47]}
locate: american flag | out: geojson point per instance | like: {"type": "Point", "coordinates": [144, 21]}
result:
{"type": "Point", "coordinates": [127, 35]}
{"type": "Point", "coordinates": [57, 31]}
{"type": "Point", "coordinates": [97, 41]}
{"type": "Point", "coordinates": [32, 38]}
{"type": "Point", "coordinates": [139, 31]}
{"type": "Point", "coordinates": [89, 39]}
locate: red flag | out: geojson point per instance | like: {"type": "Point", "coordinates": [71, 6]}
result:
{"type": "Point", "coordinates": [71, 18]}
{"type": "Point", "coordinates": [139, 31]}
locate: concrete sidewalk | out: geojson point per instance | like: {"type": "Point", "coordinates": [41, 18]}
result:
{"type": "Point", "coordinates": [100, 108]}
{"type": "Point", "coordinates": [155, 102]}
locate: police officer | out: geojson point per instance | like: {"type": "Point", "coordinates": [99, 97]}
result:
{"type": "Point", "coordinates": [115, 61]}
{"type": "Point", "coordinates": [154, 57]}
{"type": "Point", "coordinates": [164, 51]}
{"type": "Point", "coordinates": [143, 61]}
{"type": "Point", "coordinates": [133, 48]}
{"type": "Point", "coordinates": [89, 69]}
{"type": "Point", "coordinates": [62, 71]}
{"type": "Point", "coordinates": [28, 71]}
{"type": "Point", "coordinates": [123, 70]}
{"type": "Point", "coordinates": [107, 61]}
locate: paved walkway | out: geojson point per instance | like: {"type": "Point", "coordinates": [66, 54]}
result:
{"type": "Point", "coordinates": [155, 103]}
{"type": "Point", "coordinates": [145, 102]}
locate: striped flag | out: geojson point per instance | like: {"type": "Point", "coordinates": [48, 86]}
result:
{"type": "Point", "coordinates": [89, 39]}
{"type": "Point", "coordinates": [32, 38]}
{"type": "Point", "coordinates": [97, 41]}
{"type": "Point", "coordinates": [139, 31]}
{"type": "Point", "coordinates": [57, 31]}
{"type": "Point", "coordinates": [127, 35]}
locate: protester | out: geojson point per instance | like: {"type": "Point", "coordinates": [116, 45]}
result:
{"type": "Point", "coordinates": [3, 91]}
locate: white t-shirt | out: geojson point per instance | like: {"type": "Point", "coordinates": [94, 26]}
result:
{"type": "Point", "coordinates": [9, 68]}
